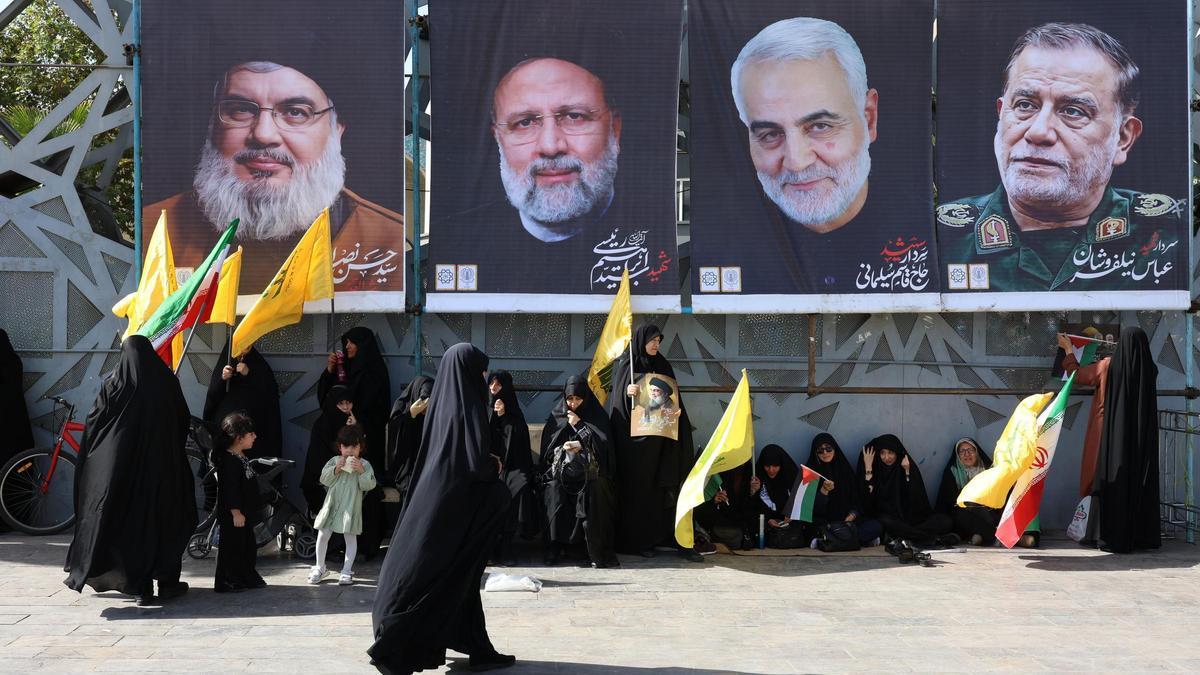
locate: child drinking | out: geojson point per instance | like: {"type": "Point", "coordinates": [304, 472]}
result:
{"type": "Point", "coordinates": [345, 477]}
{"type": "Point", "coordinates": [238, 505]}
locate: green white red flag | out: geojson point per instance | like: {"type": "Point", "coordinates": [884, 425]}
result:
{"type": "Point", "coordinates": [192, 303]}
{"type": "Point", "coordinates": [804, 495]}
{"type": "Point", "coordinates": [1025, 500]}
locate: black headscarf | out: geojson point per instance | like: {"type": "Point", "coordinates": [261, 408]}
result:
{"type": "Point", "coordinates": [894, 496]}
{"type": "Point", "coordinates": [845, 497]}
{"type": "Point", "coordinates": [369, 382]}
{"type": "Point", "coordinates": [1126, 481]}
{"type": "Point", "coordinates": [134, 492]}
{"type": "Point", "coordinates": [512, 431]}
{"type": "Point", "coordinates": [558, 431]}
{"type": "Point", "coordinates": [18, 434]}
{"type": "Point", "coordinates": [321, 444]}
{"type": "Point", "coordinates": [427, 598]}
{"type": "Point", "coordinates": [954, 476]}
{"type": "Point", "coordinates": [256, 394]}
{"type": "Point", "coordinates": [642, 362]}
{"type": "Point", "coordinates": [780, 487]}
{"type": "Point", "coordinates": [404, 431]}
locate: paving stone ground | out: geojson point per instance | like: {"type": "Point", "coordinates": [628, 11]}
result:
{"type": "Point", "coordinates": [1058, 609]}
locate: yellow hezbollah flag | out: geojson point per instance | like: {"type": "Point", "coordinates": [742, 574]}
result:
{"type": "Point", "coordinates": [614, 339]}
{"type": "Point", "coordinates": [225, 304]}
{"type": "Point", "coordinates": [1014, 454]}
{"type": "Point", "coordinates": [307, 274]}
{"type": "Point", "coordinates": [732, 444]}
{"type": "Point", "coordinates": [157, 283]}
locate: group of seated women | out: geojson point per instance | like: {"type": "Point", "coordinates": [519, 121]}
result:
{"type": "Point", "coordinates": [879, 500]}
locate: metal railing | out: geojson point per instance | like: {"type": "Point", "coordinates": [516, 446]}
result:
{"type": "Point", "coordinates": [1177, 444]}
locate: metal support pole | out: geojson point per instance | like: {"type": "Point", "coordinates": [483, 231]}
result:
{"type": "Point", "coordinates": [415, 179]}
{"type": "Point", "coordinates": [135, 91]}
{"type": "Point", "coordinates": [812, 355]}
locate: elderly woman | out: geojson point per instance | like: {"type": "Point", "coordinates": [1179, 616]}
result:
{"type": "Point", "coordinates": [976, 524]}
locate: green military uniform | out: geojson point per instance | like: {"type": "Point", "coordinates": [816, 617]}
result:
{"type": "Point", "coordinates": [1132, 241]}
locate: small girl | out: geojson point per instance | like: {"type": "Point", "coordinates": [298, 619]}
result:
{"type": "Point", "coordinates": [345, 477]}
{"type": "Point", "coordinates": [238, 505]}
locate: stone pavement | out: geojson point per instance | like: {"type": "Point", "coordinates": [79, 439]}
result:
{"type": "Point", "coordinates": [1057, 609]}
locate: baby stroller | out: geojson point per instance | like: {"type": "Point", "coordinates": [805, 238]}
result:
{"type": "Point", "coordinates": [278, 515]}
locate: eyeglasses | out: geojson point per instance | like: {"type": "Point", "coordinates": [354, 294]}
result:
{"type": "Point", "coordinates": [572, 121]}
{"type": "Point", "coordinates": [238, 113]}
{"type": "Point", "coordinates": [825, 448]}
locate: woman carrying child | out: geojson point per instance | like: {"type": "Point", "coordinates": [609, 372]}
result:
{"type": "Point", "coordinates": [346, 478]}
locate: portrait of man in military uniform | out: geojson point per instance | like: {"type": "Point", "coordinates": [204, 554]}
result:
{"type": "Point", "coordinates": [1066, 119]}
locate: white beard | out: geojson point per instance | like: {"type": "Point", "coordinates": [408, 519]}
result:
{"type": "Point", "coordinates": [819, 206]}
{"type": "Point", "coordinates": [1075, 182]}
{"type": "Point", "coordinates": [558, 203]}
{"type": "Point", "coordinates": [268, 212]}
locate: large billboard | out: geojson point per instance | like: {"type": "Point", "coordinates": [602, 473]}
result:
{"type": "Point", "coordinates": [269, 112]}
{"type": "Point", "coordinates": [811, 156]}
{"type": "Point", "coordinates": [1063, 154]}
{"type": "Point", "coordinates": [553, 162]}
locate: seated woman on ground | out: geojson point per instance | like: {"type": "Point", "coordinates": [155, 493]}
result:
{"type": "Point", "coordinates": [728, 517]}
{"type": "Point", "coordinates": [770, 489]}
{"type": "Point", "coordinates": [976, 524]}
{"type": "Point", "coordinates": [894, 493]}
{"type": "Point", "coordinates": [838, 498]}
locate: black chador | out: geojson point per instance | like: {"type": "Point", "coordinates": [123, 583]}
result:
{"type": "Point", "coordinates": [18, 434]}
{"type": "Point", "coordinates": [256, 393]}
{"type": "Point", "coordinates": [510, 442]}
{"type": "Point", "coordinates": [404, 431]}
{"type": "Point", "coordinates": [427, 599]}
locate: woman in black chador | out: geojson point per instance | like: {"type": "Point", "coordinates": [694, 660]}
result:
{"type": "Point", "coordinates": [510, 442]}
{"type": "Point", "coordinates": [1125, 500]}
{"type": "Point", "coordinates": [894, 493]}
{"type": "Point", "coordinates": [652, 468]}
{"type": "Point", "coordinates": [135, 497]}
{"type": "Point", "coordinates": [248, 384]}
{"type": "Point", "coordinates": [363, 370]}
{"type": "Point", "coordinates": [580, 501]}
{"type": "Point", "coordinates": [18, 434]}
{"type": "Point", "coordinates": [427, 598]}
{"type": "Point", "coordinates": [404, 431]}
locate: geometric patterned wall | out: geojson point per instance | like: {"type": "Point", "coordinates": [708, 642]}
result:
{"type": "Point", "coordinates": [58, 279]}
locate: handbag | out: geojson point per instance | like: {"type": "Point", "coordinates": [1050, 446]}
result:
{"type": "Point", "coordinates": [838, 536]}
{"type": "Point", "coordinates": [1077, 530]}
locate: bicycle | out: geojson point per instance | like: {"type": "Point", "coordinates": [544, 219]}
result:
{"type": "Point", "coordinates": [37, 486]}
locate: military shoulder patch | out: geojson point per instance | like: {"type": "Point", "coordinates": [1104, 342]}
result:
{"type": "Point", "coordinates": [1111, 228]}
{"type": "Point", "coordinates": [993, 232]}
{"type": "Point", "coordinates": [1152, 205]}
{"type": "Point", "coordinates": [956, 215]}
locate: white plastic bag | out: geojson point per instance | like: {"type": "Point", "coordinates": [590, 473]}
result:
{"type": "Point", "coordinates": [498, 581]}
{"type": "Point", "coordinates": [1077, 530]}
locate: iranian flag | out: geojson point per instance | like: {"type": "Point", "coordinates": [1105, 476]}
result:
{"type": "Point", "coordinates": [804, 494]}
{"type": "Point", "coordinates": [1084, 349]}
{"type": "Point", "coordinates": [1026, 497]}
{"type": "Point", "coordinates": [192, 303]}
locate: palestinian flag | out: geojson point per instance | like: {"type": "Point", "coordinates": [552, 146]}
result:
{"type": "Point", "coordinates": [804, 495]}
{"type": "Point", "coordinates": [192, 303]}
{"type": "Point", "coordinates": [1084, 349]}
{"type": "Point", "coordinates": [1026, 498]}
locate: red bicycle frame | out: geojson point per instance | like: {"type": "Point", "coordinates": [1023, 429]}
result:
{"type": "Point", "coordinates": [63, 435]}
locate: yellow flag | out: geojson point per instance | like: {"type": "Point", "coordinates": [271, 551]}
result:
{"type": "Point", "coordinates": [307, 274]}
{"type": "Point", "coordinates": [157, 283]}
{"type": "Point", "coordinates": [1015, 452]}
{"type": "Point", "coordinates": [614, 339]}
{"type": "Point", "coordinates": [225, 304]}
{"type": "Point", "coordinates": [732, 444]}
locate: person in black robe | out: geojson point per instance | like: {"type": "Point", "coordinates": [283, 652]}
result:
{"type": "Point", "coordinates": [18, 433]}
{"type": "Point", "coordinates": [337, 411]}
{"type": "Point", "coordinates": [1126, 499]}
{"type": "Point", "coordinates": [134, 491]}
{"type": "Point", "coordinates": [427, 597]}
{"type": "Point", "coordinates": [771, 487]}
{"type": "Point", "coordinates": [510, 442]}
{"type": "Point", "coordinates": [239, 506]}
{"type": "Point", "coordinates": [579, 511]}
{"type": "Point", "coordinates": [366, 374]}
{"type": "Point", "coordinates": [247, 385]}
{"type": "Point", "coordinates": [841, 501]}
{"type": "Point", "coordinates": [729, 516]}
{"type": "Point", "coordinates": [976, 524]}
{"type": "Point", "coordinates": [652, 468]}
{"type": "Point", "coordinates": [894, 494]}
{"type": "Point", "coordinates": [404, 431]}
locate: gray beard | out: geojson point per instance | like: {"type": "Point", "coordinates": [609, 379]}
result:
{"type": "Point", "coordinates": [826, 205]}
{"type": "Point", "coordinates": [558, 203]}
{"type": "Point", "coordinates": [1075, 183]}
{"type": "Point", "coordinates": [268, 212]}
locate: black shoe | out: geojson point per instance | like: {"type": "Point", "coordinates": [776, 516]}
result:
{"type": "Point", "coordinates": [144, 600]}
{"type": "Point", "coordinates": [550, 559]}
{"type": "Point", "coordinates": [894, 546]}
{"type": "Point", "coordinates": [690, 555]}
{"type": "Point", "coordinates": [491, 661]}
{"type": "Point", "coordinates": [648, 552]}
{"type": "Point", "coordinates": [260, 583]}
{"type": "Point", "coordinates": [947, 541]}
{"type": "Point", "coordinates": [174, 590]}
{"type": "Point", "coordinates": [229, 588]}
{"type": "Point", "coordinates": [606, 564]}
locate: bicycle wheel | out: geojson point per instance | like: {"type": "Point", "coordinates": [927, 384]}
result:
{"type": "Point", "coordinates": [24, 506]}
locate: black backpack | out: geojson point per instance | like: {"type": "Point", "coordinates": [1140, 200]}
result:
{"type": "Point", "coordinates": [838, 536]}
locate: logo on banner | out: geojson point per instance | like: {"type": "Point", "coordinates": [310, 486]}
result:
{"type": "Point", "coordinates": [993, 232]}
{"type": "Point", "coordinates": [1111, 228]}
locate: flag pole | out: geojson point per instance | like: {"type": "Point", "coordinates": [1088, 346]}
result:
{"type": "Point", "coordinates": [192, 334]}
{"type": "Point", "coordinates": [228, 350]}
{"type": "Point", "coordinates": [631, 399]}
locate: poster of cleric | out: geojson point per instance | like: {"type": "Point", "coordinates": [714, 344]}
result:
{"type": "Point", "coordinates": [1063, 151]}
{"type": "Point", "coordinates": [271, 112]}
{"type": "Point", "coordinates": [811, 160]}
{"type": "Point", "coordinates": [553, 158]}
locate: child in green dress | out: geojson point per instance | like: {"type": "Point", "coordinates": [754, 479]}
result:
{"type": "Point", "coordinates": [345, 477]}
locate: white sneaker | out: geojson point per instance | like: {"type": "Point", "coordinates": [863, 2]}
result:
{"type": "Point", "coordinates": [317, 574]}
{"type": "Point", "coordinates": [346, 579]}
